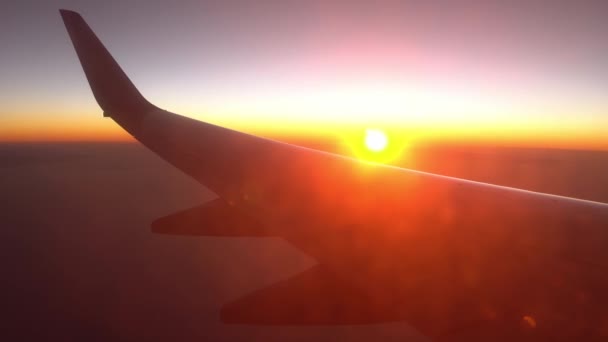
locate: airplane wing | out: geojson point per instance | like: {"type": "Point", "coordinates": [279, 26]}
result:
{"type": "Point", "coordinates": [456, 259]}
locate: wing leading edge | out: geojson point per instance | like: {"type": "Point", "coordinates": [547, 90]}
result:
{"type": "Point", "coordinates": [439, 252]}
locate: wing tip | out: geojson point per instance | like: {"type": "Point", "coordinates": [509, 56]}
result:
{"type": "Point", "coordinates": [69, 14]}
{"type": "Point", "coordinates": [113, 90]}
{"type": "Point", "coordinates": [71, 19]}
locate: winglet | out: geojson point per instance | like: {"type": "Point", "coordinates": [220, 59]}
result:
{"type": "Point", "coordinates": [113, 90]}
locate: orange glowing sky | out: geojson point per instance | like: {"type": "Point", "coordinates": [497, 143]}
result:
{"type": "Point", "coordinates": [481, 72]}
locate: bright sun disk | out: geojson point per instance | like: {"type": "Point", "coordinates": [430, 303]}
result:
{"type": "Point", "coordinates": [375, 140]}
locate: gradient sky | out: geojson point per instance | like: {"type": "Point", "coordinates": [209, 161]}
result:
{"type": "Point", "coordinates": [515, 72]}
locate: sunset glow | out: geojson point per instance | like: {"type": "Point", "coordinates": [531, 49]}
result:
{"type": "Point", "coordinates": [376, 145]}
{"type": "Point", "coordinates": [485, 73]}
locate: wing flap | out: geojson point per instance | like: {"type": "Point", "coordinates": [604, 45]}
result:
{"type": "Point", "coordinates": [215, 218]}
{"type": "Point", "coordinates": [314, 297]}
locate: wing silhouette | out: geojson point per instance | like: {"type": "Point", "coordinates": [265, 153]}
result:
{"type": "Point", "coordinates": [458, 260]}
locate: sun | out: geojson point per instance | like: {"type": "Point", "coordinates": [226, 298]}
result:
{"type": "Point", "coordinates": [375, 140]}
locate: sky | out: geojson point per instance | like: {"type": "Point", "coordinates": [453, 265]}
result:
{"type": "Point", "coordinates": [531, 73]}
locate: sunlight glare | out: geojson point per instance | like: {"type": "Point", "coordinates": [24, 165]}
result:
{"type": "Point", "coordinates": [375, 140]}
